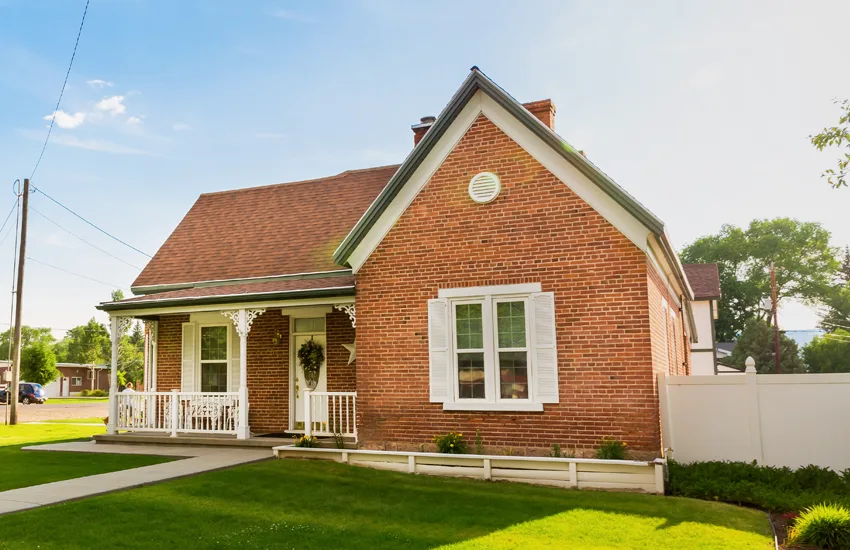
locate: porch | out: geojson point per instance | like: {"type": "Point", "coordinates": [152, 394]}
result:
{"type": "Point", "coordinates": [216, 375]}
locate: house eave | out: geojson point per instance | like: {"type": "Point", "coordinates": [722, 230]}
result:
{"type": "Point", "coordinates": [154, 289]}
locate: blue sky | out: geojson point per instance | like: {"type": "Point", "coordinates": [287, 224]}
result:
{"type": "Point", "coordinates": [700, 109]}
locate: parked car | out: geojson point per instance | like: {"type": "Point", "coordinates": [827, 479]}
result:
{"type": "Point", "coordinates": [28, 392]}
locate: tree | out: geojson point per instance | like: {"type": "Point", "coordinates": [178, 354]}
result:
{"type": "Point", "coordinates": [837, 136]}
{"type": "Point", "coordinates": [87, 344]}
{"type": "Point", "coordinates": [38, 363]}
{"type": "Point", "coordinates": [805, 263]}
{"type": "Point", "coordinates": [131, 358]}
{"type": "Point", "coordinates": [756, 341]}
{"type": "Point", "coordinates": [828, 353]}
{"type": "Point", "coordinates": [29, 335]}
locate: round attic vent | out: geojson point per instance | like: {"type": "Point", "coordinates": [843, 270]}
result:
{"type": "Point", "coordinates": [484, 187]}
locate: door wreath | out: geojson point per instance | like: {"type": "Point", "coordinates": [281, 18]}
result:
{"type": "Point", "coordinates": [311, 355]}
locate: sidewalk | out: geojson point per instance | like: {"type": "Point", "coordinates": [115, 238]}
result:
{"type": "Point", "coordinates": [198, 460]}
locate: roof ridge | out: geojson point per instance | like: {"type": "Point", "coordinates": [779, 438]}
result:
{"type": "Point", "coordinates": [298, 182]}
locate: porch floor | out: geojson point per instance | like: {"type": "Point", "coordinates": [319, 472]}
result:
{"type": "Point", "coordinates": [197, 440]}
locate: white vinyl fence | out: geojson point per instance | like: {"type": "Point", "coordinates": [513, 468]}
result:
{"type": "Point", "coordinates": [776, 419]}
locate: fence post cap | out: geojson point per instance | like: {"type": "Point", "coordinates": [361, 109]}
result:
{"type": "Point", "coordinates": [751, 364]}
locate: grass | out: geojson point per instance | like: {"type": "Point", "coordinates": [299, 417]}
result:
{"type": "Point", "coordinates": [27, 468]}
{"type": "Point", "coordinates": [311, 504]}
{"type": "Point", "coordinates": [76, 400]}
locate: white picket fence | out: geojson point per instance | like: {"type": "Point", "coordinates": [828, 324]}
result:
{"type": "Point", "coordinates": [178, 412]}
{"type": "Point", "coordinates": [776, 419]}
{"type": "Point", "coordinates": [330, 413]}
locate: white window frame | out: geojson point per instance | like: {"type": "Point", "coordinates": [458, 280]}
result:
{"type": "Point", "coordinates": [673, 322]}
{"type": "Point", "coordinates": [488, 297]}
{"type": "Point", "coordinates": [80, 380]}
{"type": "Point", "coordinates": [199, 362]}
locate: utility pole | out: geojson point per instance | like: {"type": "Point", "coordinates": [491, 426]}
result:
{"type": "Point", "coordinates": [19, 299]}
{"type": "Point", "coordinates": [775, 317]}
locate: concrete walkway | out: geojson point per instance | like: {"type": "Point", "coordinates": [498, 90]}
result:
{"type": "Point", "coordinates": [197, 460]}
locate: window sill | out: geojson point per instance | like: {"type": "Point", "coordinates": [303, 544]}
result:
{"type": "Point", "coordinates": [507, 407]}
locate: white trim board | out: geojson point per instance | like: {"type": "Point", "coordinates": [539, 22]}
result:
{"type": "Point", "coordinates": [481, 103]}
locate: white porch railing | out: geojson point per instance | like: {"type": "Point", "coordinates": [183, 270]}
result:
{"type": "Point", "coordinates": [178, 412]}
{"type": "Point", "coordinates": [330, 413]}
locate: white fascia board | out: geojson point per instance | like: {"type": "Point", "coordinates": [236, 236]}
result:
{"type": "Point", "coordinates": [417, 181]}
{"type": "Point", "coordinates": [481, 103]}
{"type": "Point", "coordinates": [662, 267]}
{"type": "Point", "coordinates": [165, 310]}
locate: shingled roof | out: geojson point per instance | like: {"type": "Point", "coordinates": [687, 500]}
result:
{"type": "Point", "coordinates": [704, 280]}
{"type": "Point", "coordinates": [270, 231]}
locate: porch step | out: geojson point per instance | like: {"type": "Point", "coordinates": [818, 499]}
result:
{"type": "Point", "coordinates": [191, 440]}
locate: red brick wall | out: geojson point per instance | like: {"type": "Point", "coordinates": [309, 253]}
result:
{"type": "Point", "coordinates": [340, 375]}
{"type": "Point", "coordinates": [537, 230]}
{"type": "Point", "coordinates": [168, 351]}
{"type": "Point", "coordinates": [665, 360]}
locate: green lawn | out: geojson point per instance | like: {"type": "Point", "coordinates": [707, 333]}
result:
{"type": "Point", "coordinates": [76, 400]}
{"type": "Point", "coordinates": [26, 468]}
{"type": "Point", "coordinates": [311, 504]}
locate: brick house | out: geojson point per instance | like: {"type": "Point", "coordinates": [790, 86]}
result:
{"type": "Point", "coordinates": [495, 282]}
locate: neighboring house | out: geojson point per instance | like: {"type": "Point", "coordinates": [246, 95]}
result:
{"type": "Point", "coordinates": [73, 378]}
{"type": "Point", "coordinates": [705, 282]}
{"type": "Point", "coordinates": [495, 282]}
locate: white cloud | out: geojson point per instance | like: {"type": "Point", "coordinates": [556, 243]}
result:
{"type": "Point", "coordinates": [134, 120]}
{"type": "Point", "coordinates": [98, 83]}
{"type": "Point", "coordinates": [705, 77]}
{"type": "Point", "coordinates": [292, 16]}
{"type": "Point", "coordinates": [66, 120]}
{"type": "Point", "coordinates": [180, 127]}
{"type": "Point", "coordinates": [112, 105]}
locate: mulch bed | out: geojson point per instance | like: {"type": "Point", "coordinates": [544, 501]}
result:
{"type": "Point", "coordinates": [781, 524]}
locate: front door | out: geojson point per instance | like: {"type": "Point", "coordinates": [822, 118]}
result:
{"type": "Point", "coordinates": [298, 374]}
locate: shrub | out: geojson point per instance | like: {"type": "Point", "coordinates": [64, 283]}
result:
{"type": "Point", "coordinates": [766, 487]}
{"type": "Point", "coordinates": [822, 525]}
{"type": "Point", "coordinates": [94, 393]}
{"type": "Point", "coordinates": [556, 450]}
{"type": "Point", "coordinates": [479, 443]}
{"type": "Point", "coordinates": [305, 441]}
{"type": "Point", "coordinates": [451, 443]}
{"type": "Point", "coordinates": [611, 449]}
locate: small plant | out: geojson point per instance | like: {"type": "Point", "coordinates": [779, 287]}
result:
{"type": "Point", "coordinates": [451, 443]}
{"type": "Point", "coordinates": [822, 525]}
{"type": "Point", "coordinates": [305, 440]}
{"type": "Point", "coordinates": [611, 449]}
{"type": "Point", "coordinates": [479, 444]}
{"type": "Point", "coordinates": [339, 441]}
{"type": "Point", "coordinates": [556, 450]}
{"type": "Point", "coordinates": [311, 355]}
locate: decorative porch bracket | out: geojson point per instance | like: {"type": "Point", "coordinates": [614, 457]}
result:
{"type": "Point", "coordinates": [242, 320]}
{"type": "Point", "coordinates": [349, 309]}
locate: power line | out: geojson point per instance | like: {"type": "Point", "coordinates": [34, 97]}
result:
{"type": "Point", "coordinates": [9, 215]}
{"type": "Point", "coordinates": [62, 91]}
{"type": "Point", "coordinates": [72, 273]}
{"type": "Point", "coordinates": [110, 235]}
{"type": "Point", "coordinates": [82, 239]}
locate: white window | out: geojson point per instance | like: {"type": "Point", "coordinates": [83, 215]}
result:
{"type": "Point", "coordinates": [214, 358]}
{"type": "Point", "coordinates": [76, 380]}
{"type": "Point", "coordinates": [493, 348]}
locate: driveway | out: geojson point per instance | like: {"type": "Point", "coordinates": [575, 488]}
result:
{"type": "Point", "coordinates": [59, 411]}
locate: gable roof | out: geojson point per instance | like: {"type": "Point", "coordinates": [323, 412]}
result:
{"type": "Point", "coordinates": [261, 232]}
{"type": "Point", "coordinates": [478, 81]}
{"type": "Point", "coordinates": [704, 280]}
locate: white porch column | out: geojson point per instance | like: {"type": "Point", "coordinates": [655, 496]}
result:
{"type": "Point", "coordinates": [242, 320]}
{"type": "Point", "coordinates": [113, 377]}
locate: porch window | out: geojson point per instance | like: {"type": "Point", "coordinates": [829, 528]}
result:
{"type": "Point", "coordinates": [511, 350]}
{"type": "Point", "coordinates": [214, 358]}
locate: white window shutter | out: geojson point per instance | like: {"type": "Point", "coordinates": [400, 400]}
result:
{"type": "Point", "coordinates": [233, 370]}
{"type": "Point", "coordinates": [545, 350]}
{"type": "Point", "coordinates": [187, 377]}
{"type": "Point", "coordinates": [438, 349]}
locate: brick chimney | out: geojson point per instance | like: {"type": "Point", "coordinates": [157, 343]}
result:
{"type": "Point", "coordinates": [544, 110]}
{"type": "Point", "coordinates": [419, 130]}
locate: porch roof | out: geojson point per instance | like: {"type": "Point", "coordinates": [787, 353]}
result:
{"type": "Point", "coordinates": [241, 292]}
